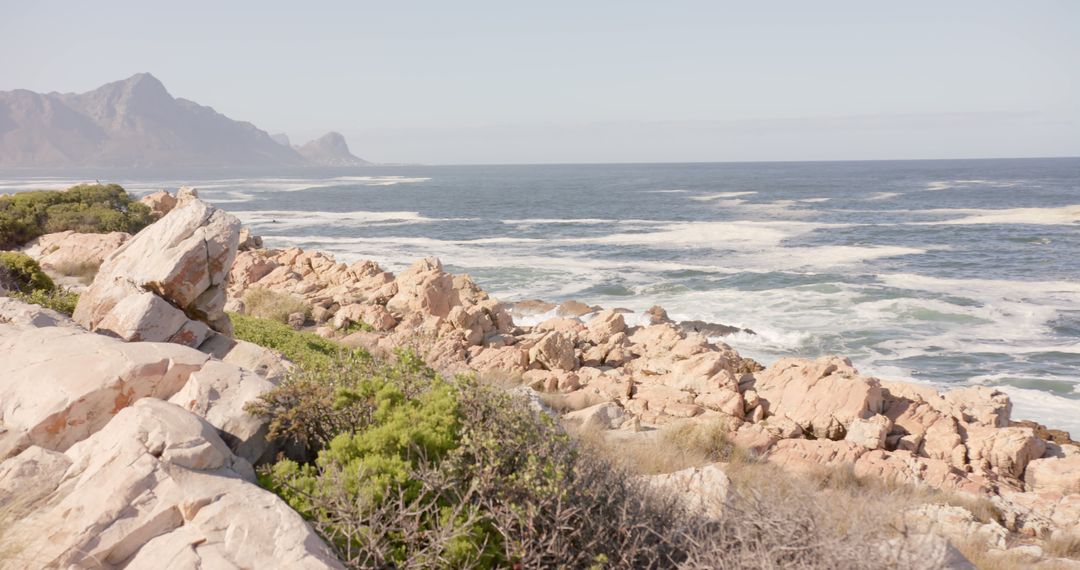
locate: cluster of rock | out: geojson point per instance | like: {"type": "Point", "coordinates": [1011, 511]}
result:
{"type": "Point", "coordinates": [131, 448]}
{"type": "Point", "coordinates": [800, 414]}
{"type": "Point", "coordinates": [165, 291]}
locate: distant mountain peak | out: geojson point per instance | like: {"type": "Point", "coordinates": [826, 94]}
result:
{"type": "Point", "coordinates": [135, 122]}
{"type": "Point", "coordinates": [330, 150]}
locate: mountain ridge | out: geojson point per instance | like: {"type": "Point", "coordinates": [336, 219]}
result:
{"type": "Point", "coordinates": [136, 123]}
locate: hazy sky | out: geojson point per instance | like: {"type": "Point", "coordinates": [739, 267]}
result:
{"type": "Point", "coordinates": [618, 81]}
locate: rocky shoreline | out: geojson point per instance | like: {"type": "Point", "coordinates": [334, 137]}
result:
{"type": "Point", "coordinates": [140, 447]}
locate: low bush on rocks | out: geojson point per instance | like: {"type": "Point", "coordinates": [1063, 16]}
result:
{"type": "Point", "coordinates": [86, 208]}
{"type": "Point", "coordinates": [84, 271]}
{"type": "Point", "coordinates": [20, 273]}
{"type": "Point", "coordinates": [402, 468]}
{"type": "Point", "coordinates": [267, 304]}
{"type": "Point", "coordinates": [308, 350]}
{"type": "Point", "coordinates": [23, 278]}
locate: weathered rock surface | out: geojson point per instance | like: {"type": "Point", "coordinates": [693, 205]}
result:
{"type": "Point", "coordinates": [160, 202]}
{"type": "Point", "coordinates": [168, 283]}
{"type": "Point", "coordinates": [155, 488]}
{"type": "Point", "coordinates": [704, 489]}
{"type": "Point", "coordinates": [15, 312]}
{"type": "Point", "coordinates": [70, 249]}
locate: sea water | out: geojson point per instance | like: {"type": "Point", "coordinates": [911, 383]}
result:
{"type": "Point", "coordinates": [962, 272]}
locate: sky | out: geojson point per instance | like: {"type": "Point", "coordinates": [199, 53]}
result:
{"type": "Point", "coordinates": [603, 81]}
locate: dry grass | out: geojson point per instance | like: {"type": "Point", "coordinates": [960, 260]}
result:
{"type": "Point", "coordinates": [84, 271]}
{"type": "Point", "coordinates": [267, 304]}
{"type": "Point", "coordinates": [1063, 545]}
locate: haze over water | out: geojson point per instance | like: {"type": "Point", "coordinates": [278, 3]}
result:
{"type": "Point", "coordinates": [948, 272]}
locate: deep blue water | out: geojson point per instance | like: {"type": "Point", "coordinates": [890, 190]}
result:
{"type": "Point", "coordinates": [948, 272]}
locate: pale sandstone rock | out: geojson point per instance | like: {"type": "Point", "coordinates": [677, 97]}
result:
{"type": "Point", "coordinates": [509, 359]}
{"type": "Point", "coordinates": [705, 490]}
{"type": "Point", "coordinates": [955, 523]}
{"type": "Point", "coordinates": [573, 309]}
{"type": "Point", "coordinates": [802, 455]}
{"type": "Point", "coordinates": [375, 316]}
{"type": "Point", "coordinates": [979, 405]}
{"type": "Point", "coordinates": [1004, 450]}
{"type": "Point", "coordinates": [601, 416]}
{"type": "Point", "coordinates": [869, 433]}
{"type": "Point", "coordinates": [904, 467]}
{"type": "Point", "coordinates": [425, 288]}
{"type": "Point", "coordinates": [218, 393]}
{"type": "Point", "coordinates": [823, 396]}
{"type": "Point", "coordinates": [59, 385]}
{"type": "Point", "coordinates": [183, 259]}
{"type": "Point", "coordinates": [1054, 474]}
{"type": "Point", "coordinates": [16, 312]}
{"type": "Point", "coordinates": [723, 400]}
{"type": "Point", "coordinates": [553, 351]}
{"type": "Point", "coordinates": [605, 324]}
{"type": "Point", "coordinates": [160, 202]}
{"type": "Point", "coordinates": [69, 248]}
{"type": "Point", "coordinates": [156, 487]}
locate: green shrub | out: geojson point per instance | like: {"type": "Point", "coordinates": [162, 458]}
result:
{"type": "Point", "coordinates": [310, 351]}
{"type": "Point", "coordinates": [21, 273]}
{"type": "Point", "coordinates": [267, 304]}
{"type": "Point", "coordinates": [91, 208]}
{"type": "Point", "coordinates": [60, 300]}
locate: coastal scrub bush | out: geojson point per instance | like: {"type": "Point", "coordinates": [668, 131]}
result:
{"type": "Point", "coordinates": [84, 271]}
{"type": "Point", "coordinates": [21, 273]}
{"type": "Point", "coordinates": [310, 351]}
{"type": "Point", "coordinates": [60, 300]}
{"type": "Point", "coordinates": [90, 208]}
{"type": "Point", "coordinates": [267, 304]}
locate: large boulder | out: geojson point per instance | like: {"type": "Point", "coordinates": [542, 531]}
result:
{"type": "Point", "coordinates": [167, 284]}
{"type": "Point", "coordinates": [59, 385]}
{"type": "Point", "coordinates": [69, 249]}
{"type": "Point", "coordinates": [160, 202]}
{"type": "Point", "coordinates": [155, 488]}
{"type": "Point", "coordinates": [1054, 474]}
{"type": "Point", "coordinates": [706, 490]}
{"type": "Point", "coordinates": [554, 351]}
{"type": "Point", "coordinates": [1004, 450]}
{"type": "Point", "coordinates": [425, 288]}
{"type": "Point", "coordinates": [823, 396]}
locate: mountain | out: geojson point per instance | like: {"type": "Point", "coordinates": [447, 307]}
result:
{"type": "Point", "coordinates": [130, 123]}
{"type": "Point", "coordinates": [330, 150]}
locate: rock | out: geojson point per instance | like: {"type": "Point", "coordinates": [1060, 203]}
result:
{"type": "Point", "coordinates": [15, 312]}
{"type": "Point", "coordinates": [425, 288]}
{"type": "Point", "coordinates": [1042, 432]}
{"type": "Point", "coordinates": [706, 490]}
{"type": "Point", "coordinates": [553, 352]}
{"type": "Point", "coordinates": [823, 396]}
{"type": "Point", "coordinates": [979, 405]}
{"type": "Point", "coordinates": [531, 307]}
{"type": "Point", "coordinates": [296, 320]}
{"type": "Point", "coordinates": [924, 552]}
{"type": "Point", "coordinates": [60, 385]}
{"type": "Point", "coordinates": [249, 241]}
{"type": "Point", "coordinates": [155, 488]}
{"type": "Point", "coordinates": [711, 329]}
{"type": "Point", "coordinates": [1004, 450]}
{"type": "Point", "coordinates": [657, 315]}
{"type": "Point", "coordinates": [510, 359]}
{"type": "Point", "coordinates": [805, 455]}
{"type": "Point", "coordinates": [905, 468]}
{"type": "Point", "coordinates": [160, 202]}
{"type": "Point", "coordinates": [218, 393]}
{"type": "Point", "coordinates": [955, 523]}
{"type": "Point", "coordinates": [573, 309]}
{"type": "Point", "coordinates": [268, 364]}
{"type": "Point", "coordinates": [1054, 474]}
{"type": "Point", "coordinates": [70, 249]}
{"type": "Point", "coordinates": [605, 324]}
{"type": "Point", "coordinates": [168, 282]}
{"type": "Point", "coordinates": [601, 416]}
{"type": "Point", "coordinates": [869, 433]}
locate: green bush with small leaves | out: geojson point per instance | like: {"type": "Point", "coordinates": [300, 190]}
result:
{"type": "Point", "coordinates": [88, 208]}
{"type": "Point", "coordinates": [22, 274]}
{"type": "Point", "coordinates": [308, 350]}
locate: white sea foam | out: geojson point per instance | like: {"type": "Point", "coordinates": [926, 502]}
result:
{"type": "Point", "coordinates": [1036, 216]}
{"type": "Point", "coordinates": [720, 195]}
{"type": "Point", "coordinates": [883, 195]}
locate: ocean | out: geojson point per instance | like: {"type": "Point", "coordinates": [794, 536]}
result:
{"type": "Point", "coordinates": [955, 272]}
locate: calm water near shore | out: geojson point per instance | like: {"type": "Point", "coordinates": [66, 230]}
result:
{"type": "Point", "coordinates": [949, 272]}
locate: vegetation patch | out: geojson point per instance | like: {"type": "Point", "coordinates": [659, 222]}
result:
{"type": "Point", "coordinates": [21, 273]}
{"type": "Point", "coordinates": [267, 304]}
{"type": "Point", "coordinates": [88, 208]}
{"type": "Point", "coordinates": [309, 351]}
